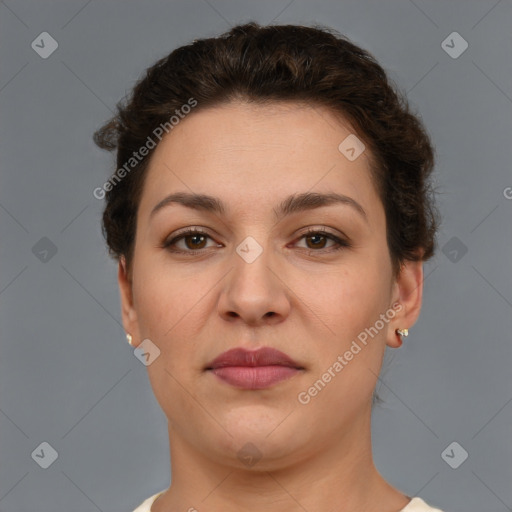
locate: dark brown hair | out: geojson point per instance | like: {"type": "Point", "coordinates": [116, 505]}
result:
{"type": "Point", "coordinates": [313, 65]}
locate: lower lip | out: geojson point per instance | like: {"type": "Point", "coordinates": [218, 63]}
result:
{"type": "Point", "coordinates": [254, 377]}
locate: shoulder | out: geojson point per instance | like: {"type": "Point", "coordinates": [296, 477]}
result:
{"type": "Point", "coordinates": [145, 506]}
{"type": "Point", "coordinates": [415, 505]}
{"type": "Point", "coordinates": [418, 505]}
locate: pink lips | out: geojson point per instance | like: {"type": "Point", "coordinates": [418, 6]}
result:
{"type": "Point", "coordinates": [255, 369]}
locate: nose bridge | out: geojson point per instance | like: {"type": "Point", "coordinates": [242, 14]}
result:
{"type": "Point", "coordinates": [253, 265]}
{"type": "Point", "coordinates": [253, 289]}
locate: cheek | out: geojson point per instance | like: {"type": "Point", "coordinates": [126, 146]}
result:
{"type": "Point", "coordinates": [350, 305]}
{"type": "Point", "coordinates": [162, 294]}
{"type": "Point", "coordinates": [171, 310]}
{"type": "Point", "coordinates": [169, 314]}
{"type": "Point", "coordinates": [352, 296]}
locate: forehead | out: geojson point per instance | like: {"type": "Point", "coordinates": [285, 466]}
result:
{"type": "Point", "coordinates": [248, 153]}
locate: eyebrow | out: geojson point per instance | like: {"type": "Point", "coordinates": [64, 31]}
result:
{"type": "Point", "coordinates": [292, 204]}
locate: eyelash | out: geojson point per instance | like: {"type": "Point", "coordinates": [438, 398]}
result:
{"type": "Point", "coordinates": [342, 244]}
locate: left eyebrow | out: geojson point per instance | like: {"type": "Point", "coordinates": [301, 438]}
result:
{"type": "Point", "coordinates": [311, 200]}
{"type": "Point", "coordinates": [292, 204]}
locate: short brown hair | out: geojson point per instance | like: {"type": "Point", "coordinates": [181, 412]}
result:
{"type": "Point", "coordinates": [261, 64]}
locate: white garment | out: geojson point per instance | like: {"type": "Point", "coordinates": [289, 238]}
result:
{"type": "Point", "coordinates": [415, 505]}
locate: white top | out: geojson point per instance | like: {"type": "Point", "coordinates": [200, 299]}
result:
{"type": "Point", "coordinates": [415, 505]}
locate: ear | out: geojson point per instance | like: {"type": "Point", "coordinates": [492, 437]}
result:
{"type": "Point", "coordinates": [408, 292]}
{"type": "Point", "coordinates": [128, 313]}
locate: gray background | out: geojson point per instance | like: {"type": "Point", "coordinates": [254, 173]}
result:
{"type": "Point", "coordinates": [67, 375]}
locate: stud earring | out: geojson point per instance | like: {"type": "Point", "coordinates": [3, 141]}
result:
{"type": "Point", "coordinates": [129, 338]}
{"type": "Point", "coordinates": [403, 333]}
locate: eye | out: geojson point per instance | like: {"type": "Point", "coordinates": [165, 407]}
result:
{"type": "Point", "coordinates": [318, 237]}
{"type": "Point", "coordinates": [194, 241]}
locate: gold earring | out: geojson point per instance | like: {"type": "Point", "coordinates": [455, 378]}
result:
{"type": "Point", "coordinates": [403, 332]}
{"type": "Point", "coordinates": [129, 338]}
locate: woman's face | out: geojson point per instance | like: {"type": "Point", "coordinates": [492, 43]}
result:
{"type": "Point", "coordinates": [255, 278]}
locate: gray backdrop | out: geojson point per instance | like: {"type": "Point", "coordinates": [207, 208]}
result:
{"type": "Point", "coordinates": [67, 376]}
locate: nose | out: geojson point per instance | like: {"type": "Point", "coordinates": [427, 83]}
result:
{"type": "Point", "coordinates": [254, 292]}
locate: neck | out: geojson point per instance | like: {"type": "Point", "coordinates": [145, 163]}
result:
{"type": "Point", "coordinates": [337, 476]}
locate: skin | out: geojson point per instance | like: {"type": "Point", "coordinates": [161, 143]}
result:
{"type": "Point", "coordinates": [196, 306]}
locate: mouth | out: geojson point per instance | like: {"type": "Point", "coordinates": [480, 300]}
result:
{"type": "Point", "coordinates": [255, 369]}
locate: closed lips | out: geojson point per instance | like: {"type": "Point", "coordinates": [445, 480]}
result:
{"type": "Point", "coordinates": [265, 356]}
{"type": "Point", "coordinates": [252, 370]}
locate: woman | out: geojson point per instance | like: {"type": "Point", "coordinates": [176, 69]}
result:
{"type": "Point", "coordinates": [270, 213]}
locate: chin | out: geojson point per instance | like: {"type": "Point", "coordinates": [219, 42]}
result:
{"type": "Point", "coordinates": [270, 440]}
{"type": "Point", "coordinates": [258, 454]}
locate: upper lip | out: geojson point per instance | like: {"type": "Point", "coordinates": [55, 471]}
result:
{"type": "Point", "coordinates": [264, 356]}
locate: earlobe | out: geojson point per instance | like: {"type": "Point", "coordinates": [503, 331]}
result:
{"type": "Point", "coordinates": [408, 292]}
{"type": "Point", "coordinates": [128, 313]}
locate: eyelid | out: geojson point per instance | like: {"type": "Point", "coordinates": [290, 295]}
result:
{"type": "Point", "coordinates": [189, 230]}
{"type": "Point", "coordinates": [323, 229]}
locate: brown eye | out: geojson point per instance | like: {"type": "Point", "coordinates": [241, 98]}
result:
{"type": "Point", "coordinates": [318, 241]}
{"type": "Point", "coordinates": [197, 241]}
{"type": "Point", "coordinates": [192, 240]}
